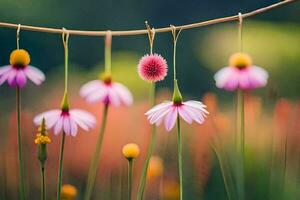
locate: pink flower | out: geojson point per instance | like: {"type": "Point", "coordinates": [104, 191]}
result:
{"type": "Point", "coordinates": [241, 74]}
{"type": "Point", "coordinates": [107, 92]}
{"type": "Point", "coordinates": [18, 71]}
{"type": "Point", "coordinates": [152, 67]}
{"type": "Point", "coordinates": [168, 112]}
{"type": "Point", "coordinates": [67, 121]}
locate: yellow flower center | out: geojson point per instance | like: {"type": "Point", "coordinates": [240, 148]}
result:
{"type": "Point", "coordinates": [19, 57]}
{"type": "Point", "coordinates": [42, 139]}
{"type": "Point", "coordinates": [68, 192]}
{"type": "Point", "coordinates": [240, 60]}
{"type": "Point", "coordinates": [131, 150]}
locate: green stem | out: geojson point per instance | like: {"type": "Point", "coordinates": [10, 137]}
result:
{"type": "Point", "coordinates": [43, 186]}
{"type": "Point", "coordinates": [180, 158]}
{"type": "Point", "coordinates": [227, 178]}
{"type": "Point", "coordinates": [241, 133]}
{"type": "Point", "coordinates": [142, 184]}
{"type": "Point", "coordinates": [107, 52]}
{"type": "Point", "coordinates": [130, 172]}
{"type": "Point", "coordinates": [95, 160]}
{"type": "Point", "coordinates": [60, 172]}
{"type": "Point", "coordinates": [20, 156]}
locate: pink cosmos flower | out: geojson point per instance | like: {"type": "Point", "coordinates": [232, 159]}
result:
{"type": "Point", "coordinates": [167, 112]}
{"type": "Point", "coordinates": [241, 74]}
{"type": "Point", "coordinates": [18, 71]}
{"type": "Point", "coordinates": [65, 120]}
{"type": "Point", "coordinates": [107, 92]}
{"type": "Point", "coordinates": [152, 67]}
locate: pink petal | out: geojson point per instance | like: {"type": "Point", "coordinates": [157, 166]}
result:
{"type": "Point", "coordinates": [156, 117]}
{"type": "Point", "coordinates": [51, 117]}
{"type": "Point", "coordinates": [123, 93]}
{"type": "Point", "coordinates": [34, 74]}
{"type": "Point", "coordinates": [227, 78]}
{"type": "Point", "coordinates": [184, 114]}
{"type": "Point", "coordinates": [258, 77]}
{"type": "Point", "coordinates": [11, 79]}
{"type": "Point", "coordinates": [67, 125]}
{"type": "Point", "coordinates": [158, 107]}
{"type": "Point", "coordinates": [113, 97]}
{"type": "Point", "coordinates": [4, 77]}
{"type": "Point", "coordinates": [58, 126]}
{"type": "Point", "coordinates": [5, 69]}
{"type": "Point", "coordinates": [91, 87]}
{"type": "Point", "coordinates": [74, 128]}
{"type": "Point", "coordinates": [83, 119]}
{"type": "Point", "coordinates": [21, 78]}
{"type": "Point", "coordinates": [197, 115]}
{"type": "Point", "coordinates": [170, 119]}
{"type": "Point", "coordinates": [197, 105]}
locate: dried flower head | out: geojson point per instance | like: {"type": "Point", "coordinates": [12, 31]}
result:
{"type": "Point", "coordinates": [131, 151]}
{"type": "Point", "coordinates": [152, 67]}
{"type": "Point", "coordinates": [68, 192]}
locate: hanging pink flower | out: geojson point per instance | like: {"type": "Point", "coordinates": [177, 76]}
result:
{"type": "Point", "coordinates": [107, 92]}
{"type": "Point", "coordinates": [241, 74]}
{"type": "Point", "coordinates": [153, 68]}
{"type": "Point", "coordinates": [19, 70]}
{"type": "Point", "coordinates": [168, 112]}
{"type": "Point", "coordinates": [67, 121]}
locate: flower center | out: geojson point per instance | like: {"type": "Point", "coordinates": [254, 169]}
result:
{"type": "Point", "coordinates": [106, 78]}
{"type": "Point", "coordinates": [19, 58]}
{"type": "Point", "coordinates": [240, 60]}
{"type": "Point", "coordinates": [65, 112]}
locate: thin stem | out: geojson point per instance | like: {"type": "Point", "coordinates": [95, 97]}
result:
{"type": "Point", "coordinates": [142, 184]}
{"type": "Point", "coordinates": [130, 173]}
{"type": "Point", "coordinates": [285, 163]}
{"type": "Point", "coordinates": [43, 185]}
{"type": "Point", "coordinates": [60, 168]}
{"type": "Point", "coordinates": [160, 30]}
{"type": "Point", "coordinates": [20, 156]}
{"type": "Point", "coordinates": [174, 59]}
{"type": "Point", "coordinates": [96, 157]}
{"type": "Point", "coordinates": [65, 38]}
{"type": "Point", "coordinates": [108, 40]}
{"type": "Point", "coordinates": [241, 146]}
{"type": "Point", "coordinates": [228, 182]}
{"type": "Point", "coordinates": [180, 158]}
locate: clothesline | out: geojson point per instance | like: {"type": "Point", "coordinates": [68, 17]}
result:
{"type": "Point", "coordinates": [145, 31]}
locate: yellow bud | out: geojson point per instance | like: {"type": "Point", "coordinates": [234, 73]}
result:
{"type": "Point", "coordinates": [19, 57]}
{"type": "Point", "coordinates": [240, 60]}
{"type": "Point", "coordinates": [155, 168]}
{"type": "Point", "coordinates": [131, 150]}
{"type": "Point", "coordinates": [68, 192]}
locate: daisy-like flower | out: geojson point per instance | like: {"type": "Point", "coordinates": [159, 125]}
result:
{"type": "Point", "coordinates": [241, 74]}
{"type": "Point", "coordinates": [19, 70]}
{"type": "Point", "coordinates": [153, 67]}
{"type": "Point", "coordinates": [168, 111]}
{"type": "Point", "coordinates": [66, 120]}
{"type": "Point", "coordinates": [107, 92]}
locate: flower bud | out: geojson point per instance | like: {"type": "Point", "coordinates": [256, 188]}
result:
{"type": "Point", "coordinates": [131, 151]}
